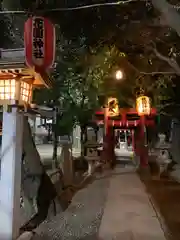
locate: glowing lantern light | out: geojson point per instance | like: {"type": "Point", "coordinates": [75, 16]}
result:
{"type": "Point", "coordinates": [113, 108]}
{"type": "Point", "coordinates": [143, 105]}
{"type": "Point", "coordinates": [119, 75]}
{"type": "Point", "coordinates": [13, 91]}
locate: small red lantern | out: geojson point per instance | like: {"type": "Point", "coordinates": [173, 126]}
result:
{"type": "Point", "coordinates": [39, 41]}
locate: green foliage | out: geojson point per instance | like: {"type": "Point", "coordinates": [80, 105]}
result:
{"type": "Point", "coordinates": [6, 39]}
{"type": "Point", "coordinates": [82, 74]}
{"type": "Point", "coordinates": [65, 124]}
{"type": "Point", "coordinates": [89, 53]}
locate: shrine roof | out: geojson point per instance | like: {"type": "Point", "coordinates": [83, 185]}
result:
{"type": "Point", "coordinates": [12, 62]}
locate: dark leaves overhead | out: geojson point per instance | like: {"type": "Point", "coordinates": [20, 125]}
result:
{"type": "Point", "coordinates": [132, 28]}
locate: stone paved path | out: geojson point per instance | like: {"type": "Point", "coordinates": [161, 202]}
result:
{"type": "Point", "coordinates": [114, 207]}
{"type": "Point", "coordinates": [128, 213]}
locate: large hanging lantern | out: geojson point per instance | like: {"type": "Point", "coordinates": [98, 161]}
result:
{"type": "Point", "coordinates": [113, 108]}
{"type": "Point", "coordinates": [39, 41]}
{"type": "Point", "coordinates": [143, 105]}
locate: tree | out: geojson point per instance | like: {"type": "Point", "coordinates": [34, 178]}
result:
{"type": "Point", "coordinates": [139, 10]}
{"type": "Point", "coordinates": [6, 31]}
{"type": "Point", "coordinates": [138, 22]}
{"type": "Point", "coordinates": [146, 32]}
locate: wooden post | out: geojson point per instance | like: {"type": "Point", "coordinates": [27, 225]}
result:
{"type": "Point", "coordinates": [67, 164]}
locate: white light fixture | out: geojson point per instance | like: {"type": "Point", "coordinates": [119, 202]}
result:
{"type": "Point", "coordinates": [119, 75]}
{"type": "Point", "coordinates": [14, 91]}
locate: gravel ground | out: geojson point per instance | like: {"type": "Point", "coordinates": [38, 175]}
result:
{"type": "Point", "coordinates": [165, 193]}
{"type": "Point", "coordinates": [82, 218]}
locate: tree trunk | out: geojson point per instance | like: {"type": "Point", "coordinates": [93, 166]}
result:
{"type": "Point", "coordinates": [83, 132]}
{"type": "Point", "coordinates": [55, 141]}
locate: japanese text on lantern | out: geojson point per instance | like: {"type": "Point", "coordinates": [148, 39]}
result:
{"type": "Point", "coordinates": [38, 38]}
{"type": "Point", "coordinates": [113, 108]}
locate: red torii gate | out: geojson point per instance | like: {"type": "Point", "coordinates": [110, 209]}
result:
{"type": "Point", "coordinates": [127, 119]}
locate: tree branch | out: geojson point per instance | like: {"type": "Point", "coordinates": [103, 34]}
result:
{"type": "Point", "coordinates": [158, 73]}
{"type": "Point", "coordinates": [162, 106]}
{"type": "Point", "coordinates": [69, 94]}
{"type": "Point", "coordinates": [171, 61]}
{"type": "Point", "coordinates": [150, 73]}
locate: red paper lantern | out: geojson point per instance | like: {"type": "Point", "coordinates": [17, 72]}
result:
{"type": "Point", "coordinates": [39, 41]}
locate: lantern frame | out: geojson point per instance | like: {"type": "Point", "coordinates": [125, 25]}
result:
{"type": "Point", "coordinates": [141, 109]}
{"type": "Point", "coordinates": [115, 111]}
{"type": "Point", "coordinates": [15, 91]}
{"type": "Point", "coordinates": [39, 48]}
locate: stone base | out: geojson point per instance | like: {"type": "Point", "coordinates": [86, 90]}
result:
{"type": "Point", "coordinates": [26, 236]}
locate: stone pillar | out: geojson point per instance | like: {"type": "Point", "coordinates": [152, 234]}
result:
{"type": "Point", "coordinates": [10, 174]}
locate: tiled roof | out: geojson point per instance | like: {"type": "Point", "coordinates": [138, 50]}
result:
{"type": "Point", "coordinates": [12, 62]}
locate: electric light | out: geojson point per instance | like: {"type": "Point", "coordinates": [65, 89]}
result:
{"type": "Point", "coordinates": [119, 75]}
{"type": "Point", "coordinates": [13, 91]}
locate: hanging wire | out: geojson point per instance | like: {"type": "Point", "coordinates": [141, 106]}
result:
{"type": "Point", "coordinates": [72, 8]}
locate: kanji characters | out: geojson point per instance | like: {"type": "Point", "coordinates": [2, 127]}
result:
{"type": "Point", "coordinates": [38, 41]}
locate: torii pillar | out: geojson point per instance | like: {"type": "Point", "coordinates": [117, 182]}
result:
{"type": "Point", "coordinates": [108, 142]}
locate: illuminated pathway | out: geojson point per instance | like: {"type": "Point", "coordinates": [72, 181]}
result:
{"type": "Point", "coordinates": [128, 213]}
{"type": "Point", "coordinates": [115, 206]}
